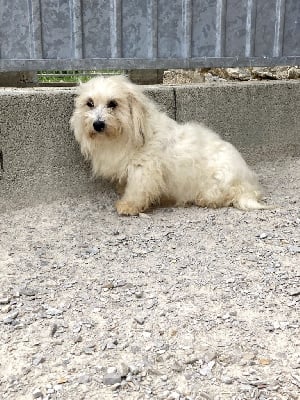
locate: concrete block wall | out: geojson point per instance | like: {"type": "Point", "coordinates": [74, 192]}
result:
{"type": "Point", "coordinates": [42, 162]}
{"type": "Point", "coordinates": [260, 116]}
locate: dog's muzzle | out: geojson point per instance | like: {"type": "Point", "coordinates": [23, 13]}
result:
{"type": "Point", "coordinates": [99, 126]}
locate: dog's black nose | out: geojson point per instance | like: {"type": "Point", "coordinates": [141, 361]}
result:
{"type": "Point", "coordinates": [99, 126]}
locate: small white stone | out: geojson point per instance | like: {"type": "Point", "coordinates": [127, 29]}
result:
{"type": "Point", "coordinates": [111, 370]}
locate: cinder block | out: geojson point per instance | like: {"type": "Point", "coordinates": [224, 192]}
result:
{"type": "Point", "coordinates": [146, 76]}
{"type": "Point", "coordinates": [260, 118]}
{"type": "Point", "coordinates": [18, 79]}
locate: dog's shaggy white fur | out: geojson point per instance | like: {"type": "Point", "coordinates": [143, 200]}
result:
{"type": "Point", "coordinates": [152, 157]}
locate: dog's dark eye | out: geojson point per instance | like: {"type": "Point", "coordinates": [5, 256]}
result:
{"type": "Point", "coordinates": [90, 103]}
{"type": "Point", "coordinates": [112, 104]}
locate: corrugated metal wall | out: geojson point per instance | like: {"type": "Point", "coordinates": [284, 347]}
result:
{"type": "Point", "coordinates": [130, 34]}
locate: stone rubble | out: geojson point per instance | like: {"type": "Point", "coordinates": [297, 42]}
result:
{"type": "Point", "coordinates": [219, 75]}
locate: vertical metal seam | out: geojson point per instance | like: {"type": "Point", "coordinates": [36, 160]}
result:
{"type": "Point", "coordinates": [175, 103]}
{"type": "Point", "coordinates": [116, 29]}
{"type": "Point", "coordinates": [35, 24]}
{"type": "Point", "coordinates": [250, 28]}
{"type": "Point", "coordinates": [152, 17]}
{"type": "Point", "coordinates": [76, 27]}
{"type": "Point", "coordinates": [279, 28]}
{"type": "Point", "coordinates": [30, 23]}
{"type": "Point", "coordinates": [221, 8]}
{"type": "Point", "coordinates": [187, 28]}
{"type": "Point", "coordinates": [41, 41]}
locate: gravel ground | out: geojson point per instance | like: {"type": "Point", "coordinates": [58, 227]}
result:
{"type": "Point", "coordinates": [180, 304]}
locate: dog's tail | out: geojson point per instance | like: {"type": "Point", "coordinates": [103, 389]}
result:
{"type": "Point", "coordinates": [250, 201]}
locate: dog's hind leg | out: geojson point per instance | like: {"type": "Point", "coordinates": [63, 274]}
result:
{"type": "Point", "coordinates": [250, 201]}
{"type": "Point", "coordinates": [144, 188]}
{"type": "Point", "coordinates": [212, 202]}
{"type": "Point", "coordinates": [235, 197]}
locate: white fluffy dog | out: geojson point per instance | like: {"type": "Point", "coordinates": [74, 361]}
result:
{"type": "Point", "coordinates": [151, 157]}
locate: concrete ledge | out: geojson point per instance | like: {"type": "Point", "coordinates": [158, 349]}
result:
{"type": "Point", "coordinates": [261, 119]}
{"type": "Point", "coordinates": [42, 162]}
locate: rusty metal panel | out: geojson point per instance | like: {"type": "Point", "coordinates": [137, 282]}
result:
{"type": "Point", "coordinates": [137, 34]}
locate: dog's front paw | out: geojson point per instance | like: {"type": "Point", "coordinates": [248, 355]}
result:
{"type": "Point", "coordinates": [127, 208]}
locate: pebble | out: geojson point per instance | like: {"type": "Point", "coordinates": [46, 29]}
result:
{"type": "Point", "coordinates": [83, 379]}
{"type": "Point", "coordinates": [108, 285]}
{"type": "Point", "coordinates": [249, 356]}
{"type": "Point", "coordinates": [53, 311]}
{"type": "Point", "coordinates": [296, 380]}
{"type": "Point", "coordinates": [11, 317]}
{"type": "Point", "coordinates": [191, 360]}
{"type": "Point", "coordinates": [25, 370]}
{"type": "Point", "coordinates": [294, 249]}
{"type": "Point", "coordinates": [111, 370]}
{"type": "Point", "coordinates": [206, 396]}
{"type": "Point", "coordinates": [78, 339]}
{"type": "Point", "coordinates": [264, 361]}
{"type": "Point", "coordinates": [227, 380]}
{"type": "Point", "coordinates": [139, 294]}
{"type": "Point", "coordinates": [140, 320]}
{"type": "Point", "coordinates": [13, 314]}
{"type": "Point", "coordinates": [116, 386]}
{"type": "Point", "coordinates": [263, 235]}
{"type": "Point", "coordinates": [39, 359]}
{"type": "Point", "coordinates": [112, 378]}
{"type": "Point", "coordinates": [177, 367]}
{"type": "Point", "coordinates": [206, 369]}
{"type": "Point", "coordinates": [294, 291]}
{"type": "Point", "coordinates": [89, 350]}
{"type": "Point", "coordinates": [209, 356]}
{"type": "Point", "coordinates": [145, 216]}
{"type": "Point", "coordinates": [27, 292]}
{"type": "Point", "coordinates": [4, 300]}
{"type": "Point", "coordinates": [53, 330]}
{"type": "Point", "coordinates": [6, 308]}
{"type": "Point", "coordinates": [134, 369]}
{"type": "Point", "coordinates": [77, 328]}
{"type": "Point", "coordinates": [174, 396]}
{"type": "Point", "coordinates": [225, 316]}
{"type": "Point", "coordinates": [62, 380]}
{"type": "Point", "coordinates": [164, 395]}
{"type": "Point", "coordinates": [36, 394]}
{"type": "Point", "coordinates": [135, 349]}
{"type": "Point", "coordinates": [295, 365]}
{"type": "Point", "coordinates": [93, 251]}
{"type": "Point", "coordinates": [111, 344]}
{"type": "Point", "coordinates": [123, 369]}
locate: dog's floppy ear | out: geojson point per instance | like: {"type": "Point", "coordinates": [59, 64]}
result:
{"type": "Point", "coordinates": [138, 113]}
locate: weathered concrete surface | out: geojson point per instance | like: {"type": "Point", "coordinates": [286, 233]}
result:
{"type": "Point", "coordinates": [260, 118]}
{"type": "Point", "coordinates": [19, 79]}
{"type": "Point", "coordinates": [42, 161]}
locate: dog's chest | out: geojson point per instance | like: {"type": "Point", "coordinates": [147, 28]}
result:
{"type": "Point", "coordinates": [110, 163]}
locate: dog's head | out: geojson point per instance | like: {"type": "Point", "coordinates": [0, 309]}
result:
{"type": "Point", "coordinates": [109, 109]}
